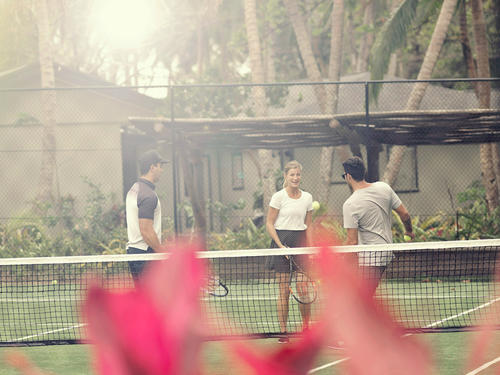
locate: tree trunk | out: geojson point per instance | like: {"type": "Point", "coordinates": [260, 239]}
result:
{"type": "Point", "coordinates": [259, 94]}
{"type": "Point", "coordinates": [337, 31]}
{"type": "Point", "coordinates": [325, 174]}
{"type": "Point", "coordinates": [466, 50]}
{"type": "Point", "coordinates": [487, 152]}
{"type": "Point", "coordinates": [193, 179]}
{"type": "Point", "coordinates": [496, 162]}
{"type": "Point", "coordinates": [334, 68]}
{"type": "Point", "coordinates": [367, 40]}
{"type": "Point", "coordinates": [392, 70]}
{"type": "Point", "coordinates": [306, 51]}
{"type": "Point", "coordinates": [270, 71]}
{"type": "Point", "coordinates": [327, 99]}
{"type": "Point", "coordinates": [48, 159]}
{"type": "Point", "coordinates": [417, 94]}
{"type": "Point", "coordinates": [349, 48]}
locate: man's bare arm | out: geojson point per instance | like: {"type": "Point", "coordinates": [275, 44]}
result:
{"type": "Point", "coordinates": [352, 236]}
{"type": "Point", "coordinates": [148, 233]}
{"type": "Point", "coordinates": [406, 219]}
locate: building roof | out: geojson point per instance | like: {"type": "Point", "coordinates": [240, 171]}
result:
{"type": "Point", "coordinates": [28, 77]}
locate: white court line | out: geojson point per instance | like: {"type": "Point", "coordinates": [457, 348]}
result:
{"type": "Point", "coordinates": [244, 298]}
{"type": "Point", "coordinates": [428, 326]}
{"type": "Point", "coordinates": [327, 365]}
{"type": "Point", "coordinates": [49, 332]}
{"type": "Point", "coordinates": [464, 313]}
{"type": "Point", "coordinates": [483, 367]}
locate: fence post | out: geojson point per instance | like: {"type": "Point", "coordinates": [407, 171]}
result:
{"type": "Point", "coordinates": [174, 158]}
{"type": "Point", "coordinates": [372, 146]}
{"type": "Point", "coordinates": [367, 104]}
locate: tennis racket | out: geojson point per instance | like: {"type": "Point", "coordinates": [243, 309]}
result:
{"type": "Point", "coordinates": [215, 287]}
{"type": "Point", "coordinates": [302, 288]}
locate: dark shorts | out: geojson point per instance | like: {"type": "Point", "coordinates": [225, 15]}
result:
{"type": "Point", "coordinates": [137, 267]}
{"type": "Point", "coordinates": [290, 238]}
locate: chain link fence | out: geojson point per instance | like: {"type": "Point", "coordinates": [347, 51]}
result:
{"type": "Point", "coordinates": [96, 151]}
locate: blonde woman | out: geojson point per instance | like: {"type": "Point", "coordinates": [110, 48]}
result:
{"type": "Point", "coordinates": [289, 225]}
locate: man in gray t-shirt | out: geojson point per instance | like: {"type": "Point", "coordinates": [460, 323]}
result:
{"type": "Point", "coordinates": [367, 217]}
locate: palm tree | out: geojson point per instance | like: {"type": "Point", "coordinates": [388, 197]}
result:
{"type": "Point", "coordinates": [48, 162]}
{"type": "Point", "coordinates": [488, 153]}
{"type": "Point", "coordinates": [390, 38]}
{"type": "Point", "coordinates": [334, 70]}
{"type": "Point", "coordinates": [327, 99]}
{"type": "Point", "coordinates": [417, 94]}
{"type": "Point", "coordinates": [259, 94]}
{"type": "Point", "coordinates": [367, 41]}
{"type": "Point", "coordinates": [306, 50]}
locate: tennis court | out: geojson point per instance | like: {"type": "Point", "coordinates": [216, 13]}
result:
{"type": "Point", "coordinates": [428, 287]}
{"type": "Point", "coordinates": [449, 352]}
{"type": "Point", "coordinates": [243, 310]}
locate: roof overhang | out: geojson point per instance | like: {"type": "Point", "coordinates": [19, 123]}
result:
{"type": "Point", "coordinates": [423, 127]}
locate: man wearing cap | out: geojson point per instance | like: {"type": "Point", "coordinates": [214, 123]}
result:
{"type": "Point", "coordinates": [367, 218]}
{"type": "Point", "coordinates": [143, 211]}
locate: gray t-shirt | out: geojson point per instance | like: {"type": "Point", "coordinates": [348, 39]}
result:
{"type": "Point", "coordinates": [369, 211]}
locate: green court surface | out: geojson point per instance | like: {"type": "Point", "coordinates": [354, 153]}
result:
{"type": "Point", "coordinates": [51, 314]}
{"type": "Point", "coordinates": [450, 352]}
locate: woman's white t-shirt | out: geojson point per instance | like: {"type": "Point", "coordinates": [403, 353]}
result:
{"type": "Point", "coordinates": [292, 212]}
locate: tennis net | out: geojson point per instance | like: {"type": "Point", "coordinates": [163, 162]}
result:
{"type": "Point", "coordinates": [430, 287]}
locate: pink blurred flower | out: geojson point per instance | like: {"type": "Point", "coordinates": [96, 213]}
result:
{"type": "Point", "coordinates": [154, 329]}
{"type": "Point", "coordinates": [373, 341]}
{"type": "Point", "coordinates": [295, 358]}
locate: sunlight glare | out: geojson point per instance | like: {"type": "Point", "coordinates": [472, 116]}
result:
{"type": "Point", "coordinates": [124, 24]}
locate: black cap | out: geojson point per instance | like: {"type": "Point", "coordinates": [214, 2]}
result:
{"type": "Point", "coordinates": [150, 158]}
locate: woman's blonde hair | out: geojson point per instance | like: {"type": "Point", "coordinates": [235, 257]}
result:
{"type": "Point", "coordinates": [292, 164]}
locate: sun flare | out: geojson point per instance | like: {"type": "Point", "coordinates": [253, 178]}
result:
{"type": "Point", "coordinates": [124, 24]}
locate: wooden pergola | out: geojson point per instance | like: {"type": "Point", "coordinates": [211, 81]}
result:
{"type": "Point", "coordinates": [423, 127]}
{"type": "Point", "coordinates": [395, 127]}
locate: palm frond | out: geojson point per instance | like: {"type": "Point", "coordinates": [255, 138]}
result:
{"type": "Point", "coordinates": [391, 37]}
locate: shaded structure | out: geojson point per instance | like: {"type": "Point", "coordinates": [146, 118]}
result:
{"type": "Point", "coordinates": [424, 127]}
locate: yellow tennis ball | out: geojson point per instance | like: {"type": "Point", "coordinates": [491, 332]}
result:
{"type": "Point", "coordinates": [315, 205]}
{"type": "Point", "coordinates": [54, 282]}
{"type": "Point", "coordinates": [407, 238]}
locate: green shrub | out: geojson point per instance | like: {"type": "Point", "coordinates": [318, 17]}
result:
{"type": "Point", "coordinates": [473, 217]}
{"type": "Point", "coordinates": [247, 236]}
{"type": "Point", "coordinates": [53, 229]}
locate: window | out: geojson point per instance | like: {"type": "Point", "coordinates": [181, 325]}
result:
{"type": "Point", "coordinates": [407, 178]}
{"type": "Point", "coordinates": [337, 170]}
{"type": "Point", "coordinates": [237, 171]}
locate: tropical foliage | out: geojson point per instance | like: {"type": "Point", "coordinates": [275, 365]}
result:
{"type": "Point", "coordinates": [56, 230]}
{"type": "Point", "coordinates": [102, 229]}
